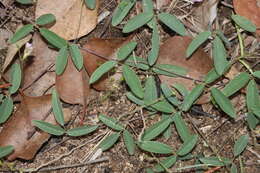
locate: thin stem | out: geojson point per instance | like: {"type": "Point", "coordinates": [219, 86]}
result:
{"type": "Point", "coordinates": [107, 59]}
{"type": "Point", "coordinates": [240, 39]}
{"type": "Point", "coordinates": [246, 66]}
{"type": "Point", "coordinates": [242, 51]}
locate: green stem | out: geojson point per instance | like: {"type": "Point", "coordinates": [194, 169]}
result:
{"type": "Point", "coordinates": [241, 165]}
{"type": "Point", "coordinates": [240, 39]}
{"type": "Point", "coordinates": [246, 66]}
{"type": "Point", "coordinates": [242, 52]}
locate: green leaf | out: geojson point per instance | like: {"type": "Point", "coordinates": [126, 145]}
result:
{"type": "Point", "coordinates": [188, 157]}
{"type": "Point", "coordinates": [169, 94]}
{"type": "Point", "coordinates": [152, 22]}
{"type": "Point", "coordinates": [173, 23]}
{"type": "Point", "coordinates": [21, 33]}
{"type": "Point", "coordinates": [244, 23]}
{"type": "Point", "coordinates": [192, 97]}
{"type": "Point", "coordinates": [188, 145]}
{"type": "Point", "coordinates": [134, 99]}
{"type": "Point", "coordinates": [153, 54]}
{"type": "Point", "coordinates": [147, 6]}
{"type": "Point", "coordinates": [196, 42]}
{"type": "Point", "coordinates": [76, 56]}
{"type": "Point", "coordinates": [125, 50]}
{"type": "Point", "coordinates": [25, 2]}
{"type": "Point", "coordinates": [223, 102]}
{"type": "Point", "coordinates": [181, 89]}
{"type": "Point", "coordinates": [155, 147]}
{"type": "Point", "coordinates": [221, 35]}
{"type": "Point", "coordinates": [168, 132]}
{"type": "Point", "coordinates": [150, 93]}
{"type": "Point", "coordinates": [129, 142]}
{"type": "Point", "coordinates": [6, 150]}
{"type": "Point", "coordinates": [109, 141]}
{"type": "Point", "coordinates": [45, 19]}
{"type": "Point", "coordinates": [111, 122]}
{"type": "Point", "coordinates": [214, 161]}
{"type": "Point", "coordinates": [163, 106]}
{"type": "Point", "coordinates": [6, 109]}
{"type": "Point", "coordinates": [211, 76]}
{"type": "Point", "coordinates": [137, 62]}
{"type": "Point", "coordinates": [137, 22]}
{"type": "Point", "coordinates": [257, 74]}
{"type": "Point", "coordinates": [53, 38]}
{"type": "Point", "coordinates": [61, 60]}
{"type": "Point", "coordinates": [169, 70]}
{"type": "Point", "coordinates": [219, 56]}
{"type": "Point", "coordinates": [16, 77]}
{"type": "Point", "coordinates": [133, 81]}
{"type": "Point", "coordinates": [56, 107]}
{"type": "Point", "coordinates": [1, 97]}
{"type": "Point", "coordinates": [167, 163]}
{"type": "Point", "coordinates": [156, 129]}
{"type": "Point", "coordinates": [149, 170]}
{"type": "Point", "coordinates": [49, 128]}
{"type": "Point", "coordinates": [91, 4]}
{"type": "Point", "coordinates": [252, 98]}
{"type": "Point", "coordinates": [252, 121]}
{"type": "Point", "coordinates": [233, 168]}
{"type": "Point", "coordinates": [80, 131]}
{"type": "Point", "coordinates": [121, 11]}
{"type": "Point", "coordinates": [240, 145]}
{"type": "Point", "coordinates": [181, 127]}
{"type": "Point", "coordinates": [236, 84]}
{"type": "Point", "coordinates": [101, 70]}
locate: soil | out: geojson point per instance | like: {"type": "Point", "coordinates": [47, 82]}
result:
{"type": "Point", "coordinates": [217, 132]}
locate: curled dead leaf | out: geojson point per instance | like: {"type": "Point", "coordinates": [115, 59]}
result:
{"type": "Point", "coordinates": [73, 18]}
{"type": "Point", "coordinates": [173, 50]}
{"type": "Point", "coordinates": [13, 49]}
{"type": "Point", "coordinates": [249, 9]}
{"type": "Point", "coordinates": [205, 14]}
{"type": "Point", "coordinates": [19, 131]}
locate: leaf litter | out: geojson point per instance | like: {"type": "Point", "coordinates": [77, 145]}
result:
{"type": "Point", "coordinates": [19, 131]}
{"type": "Point", "coordinates": [68, 16]}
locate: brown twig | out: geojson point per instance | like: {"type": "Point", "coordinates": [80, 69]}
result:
{"type": "Point", "coordinates": [212, 170]}
{"type": "Point", "coordinates": [61, 156]}
{"type": "Point", "coordinates": [103, 159]}
{"type": "Point", "coordinates": [38, 77]}
{"type": "Point", "coordinates": [229, 137]}
{"type": "Point", "coordinates": [203, 137]}
{"type": "Point", "coordinates": [7, 85]}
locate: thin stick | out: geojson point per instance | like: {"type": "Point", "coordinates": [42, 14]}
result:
{"type": "Point", "coordinates": [103, 159]}
{"type": "Point", "coordinates": [61, 156]}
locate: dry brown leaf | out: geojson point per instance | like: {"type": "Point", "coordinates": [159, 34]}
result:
{"type": "Point", "coordinates": [43, 85]}
{"type": "Point", "coordinates": [13, 49]}
{"type": "Point", "coordinates": [18, 129]}
{"type": "Point", "coordinates": [37, 76]}
{"type": "Point", "coordinates": [205, 14]}
{"type": "Point", "coordinates": [69, 17]}
{"type": "Point", "coordinates": [73, 85]}
{"type": "Point", "coordinates": [105, 48]}
{"type": "Point", "coordinates": [249, 9]}
{"type": "Point", "coordinates": [173, 50]}
{"type": "Point", "coordinates": [4, 36]}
